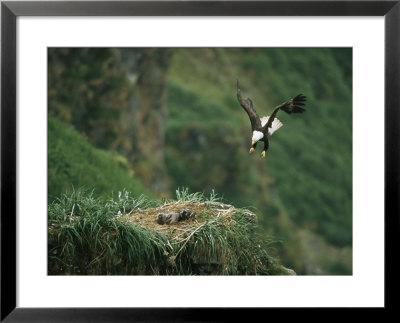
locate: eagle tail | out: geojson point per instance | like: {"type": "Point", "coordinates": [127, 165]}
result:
{"type": "Point", "coordinates": [295, 105]}
{"type": "Point", "coordinates": [276, 124]}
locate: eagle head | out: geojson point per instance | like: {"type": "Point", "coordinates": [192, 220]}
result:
{"type": "Point", "coordinates": [257, 135]}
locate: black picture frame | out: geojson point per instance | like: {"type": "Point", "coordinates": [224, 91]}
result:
{"type": "Point", "coordinates": [10, 10]}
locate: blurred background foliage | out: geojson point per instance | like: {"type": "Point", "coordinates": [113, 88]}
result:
{"type": "Point", "coordinates": [151, 120]}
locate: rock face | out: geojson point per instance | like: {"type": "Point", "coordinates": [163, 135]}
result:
{"type": "Point", "coordinates": [288, 271]}
{"type": "Point", "coordinates": [145, 117]}
{"type": "Point", "coordinates": [117, 99]}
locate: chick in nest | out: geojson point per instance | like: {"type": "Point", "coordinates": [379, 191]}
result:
{"type": "Point", "coordinates": [175, 216]}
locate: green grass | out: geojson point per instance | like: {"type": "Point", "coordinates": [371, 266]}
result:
{"type": "Point", "coordinates": [74, 163]}
{"type": "Point", "coordinates": [88, 236]}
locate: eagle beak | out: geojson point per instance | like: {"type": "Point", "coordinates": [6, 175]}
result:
{"type": "Point", "coordinates": [253, 142]}
{"type": "Point", "coordinates": [263, 154]}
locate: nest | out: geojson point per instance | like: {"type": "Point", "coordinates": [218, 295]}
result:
{"type": "Point", "coordinates": [204, 212]}
{"type": "Point", "coordinates": [183, 231]}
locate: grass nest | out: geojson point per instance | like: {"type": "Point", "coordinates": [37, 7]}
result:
{"type": "Point", "coordinates": [204, 211]}
{"type": "Point", "coordinates": [122, 236]}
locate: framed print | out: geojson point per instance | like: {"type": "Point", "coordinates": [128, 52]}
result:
{"type": "Point", "coordinates": [140, 177]}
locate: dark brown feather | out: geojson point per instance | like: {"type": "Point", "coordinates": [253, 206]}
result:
{"type": "Point", "coordinates": [247, 105]}
{"type": "Point", "coordinates": [294, 105]}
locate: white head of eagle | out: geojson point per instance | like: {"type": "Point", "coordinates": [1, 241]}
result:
{"type": "Point", "coordinates": [257, 135]}
{"type": "Point", "coordinates": [263, 128]}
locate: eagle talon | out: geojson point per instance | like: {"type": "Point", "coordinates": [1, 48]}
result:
{"type": "Point", "coordinates": [251, 150]}
{"type": "Point", "coordinates": [263, 154]}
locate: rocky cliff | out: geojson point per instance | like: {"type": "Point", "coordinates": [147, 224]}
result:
{"type": "Point", "coordinates": [117, 98]}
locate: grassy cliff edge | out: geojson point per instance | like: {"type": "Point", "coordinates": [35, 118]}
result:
{"type": "Point", "coordinates": [88, 236]}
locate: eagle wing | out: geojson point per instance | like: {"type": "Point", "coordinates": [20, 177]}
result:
{"type": "Point", "coordinates": [294, 105]}
{"type": "Point", "coordinates": [247, 105]}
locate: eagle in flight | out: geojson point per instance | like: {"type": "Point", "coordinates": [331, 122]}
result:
{"type": "Point", "coordinates": [263, 128]}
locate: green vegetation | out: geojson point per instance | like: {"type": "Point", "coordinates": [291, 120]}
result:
{"type": "Point", "coordinates": [169, 118]}
{"type": "Point", "coordinates": [85, 87]}
{"type": "Point", "coordinates": [309, 162]}
{"type": "Point", "coordinates": [74, 163]}
{"type": "Point", "coordinates": [88, 236]}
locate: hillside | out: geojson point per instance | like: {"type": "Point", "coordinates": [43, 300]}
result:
{"type": "Point", "coordinates": [308, 165]}
{"type": "Point", "coordinates": [73, 163]}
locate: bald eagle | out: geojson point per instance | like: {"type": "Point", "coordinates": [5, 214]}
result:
{"type": "Point", "coordinates": [263, 128]}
